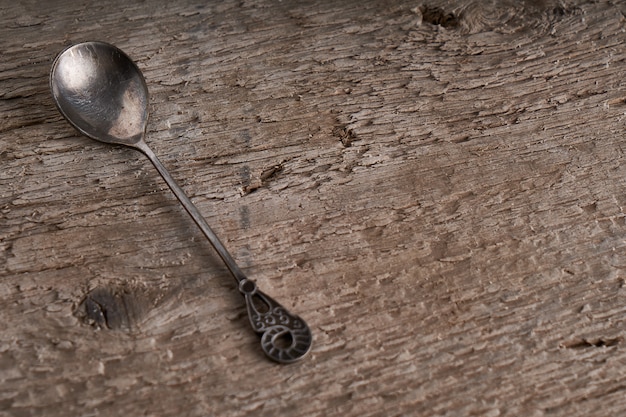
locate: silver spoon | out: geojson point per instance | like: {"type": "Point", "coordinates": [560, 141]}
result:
{"type": "Point", "coordinates": [103, 94]}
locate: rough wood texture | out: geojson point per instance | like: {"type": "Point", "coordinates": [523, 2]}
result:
{"type": "Point", "coordinates": [437, 187]}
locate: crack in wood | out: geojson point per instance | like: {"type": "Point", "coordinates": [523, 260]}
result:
{"type": "Point", "coordinates": [585, 343]}
{"type": "Point", "coordinates": [439, 17]}
{"type": "Point", "coordinates": [262, 179]}
{"type": "Point", "coordinates": [345, 134]}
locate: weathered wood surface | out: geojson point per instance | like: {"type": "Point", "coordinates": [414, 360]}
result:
{"type": "Point", "coordinates": [437, 187]}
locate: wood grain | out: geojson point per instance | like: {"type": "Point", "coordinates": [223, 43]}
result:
{"type": "Point", "coordinates": [436, 187]}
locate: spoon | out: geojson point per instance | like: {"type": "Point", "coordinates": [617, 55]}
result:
{"type": "Point", "coordinates": [103, 94]}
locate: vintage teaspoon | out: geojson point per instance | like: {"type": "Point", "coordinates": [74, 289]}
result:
{"type": "Point", "coordinates": [103, 94]}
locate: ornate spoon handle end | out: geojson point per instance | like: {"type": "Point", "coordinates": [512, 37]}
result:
{"type": "Point", "coordinates": [285, 338]}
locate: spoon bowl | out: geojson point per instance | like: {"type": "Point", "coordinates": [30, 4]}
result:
{"type": "Point", "coordinates": [101, 92]}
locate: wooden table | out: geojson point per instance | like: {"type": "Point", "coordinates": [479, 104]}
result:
{"type": "Point", "coordinates": [437, 188]}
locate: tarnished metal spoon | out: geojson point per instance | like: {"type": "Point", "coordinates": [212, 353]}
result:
{"type": "Point", "coordinates": [103, 94]}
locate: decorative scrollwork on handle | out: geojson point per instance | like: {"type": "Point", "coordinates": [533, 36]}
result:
{"type": "Point", "coordinates": [285, 337]}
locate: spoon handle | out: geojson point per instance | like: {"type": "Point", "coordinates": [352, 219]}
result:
{"type": "Point", "coordinates": [285, 337]}
{"type": "Point", "coordinates": [194, 213]}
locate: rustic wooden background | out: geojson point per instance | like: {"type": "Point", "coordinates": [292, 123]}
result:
{"type": "Point", "coordinates": [436, 187]}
